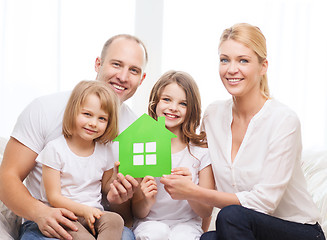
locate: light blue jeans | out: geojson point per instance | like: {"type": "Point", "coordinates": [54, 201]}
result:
{"type": "Point", "coordinates": [30, 231]}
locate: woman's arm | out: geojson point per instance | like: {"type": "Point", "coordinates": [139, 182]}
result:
{"type": "Point", "coordinates": [206, 180]}
{"type": "Point", "coordinates": [182, 188]}
{"type": "Point", "coordinates": [144, 197]}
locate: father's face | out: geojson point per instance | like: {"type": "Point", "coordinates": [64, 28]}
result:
{"type": "Point", "coordinates": [123, 67]}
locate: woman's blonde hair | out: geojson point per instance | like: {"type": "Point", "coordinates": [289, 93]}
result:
{"type": "Point", "coordinates": [251, 37]}
{"type": "Point", "coordinates": [193, 100]}
{"type": "Point", "coordinates": [109, 103]}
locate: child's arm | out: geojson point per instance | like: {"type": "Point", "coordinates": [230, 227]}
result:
{"type": "Point", "coordinates": [144, 197]}
{"type": "Point", "coordinates": [51, 179]}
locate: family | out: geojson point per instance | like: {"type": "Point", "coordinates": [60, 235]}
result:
{"type": "Point", "coordinates": [60, 170]}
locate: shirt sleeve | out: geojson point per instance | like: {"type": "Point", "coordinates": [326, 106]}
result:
{"type": "Point", "coordinates": [284, 150]}
{"type": "Point", "coordinates": [29, 125]}
{"type": "Point", "coordinates": [205, 159]}
{"type": "Point", "coordinates": [50, 157]}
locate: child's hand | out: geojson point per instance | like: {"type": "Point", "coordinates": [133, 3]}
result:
{"type": "Point", "coordinates": [90, 214]}
{"type": "Point", "coordinates": [182, 171]}
{"type": "Point", "coordinates": [149, 189]}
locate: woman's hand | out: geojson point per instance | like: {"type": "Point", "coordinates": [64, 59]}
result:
{"type": "Point", "coordinates": [179, 184]}
{"type": "Point", "coordinates": [182, 171]}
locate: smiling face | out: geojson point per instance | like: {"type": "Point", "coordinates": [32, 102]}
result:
{"type": "Point", "coordinates": [91, 120]}
{"type": "Point", "coordinates": [239, 69]}
{"type": "Point", "coordinates": [172, 105]}
{"type": "Point", "coordinates": [122, 67]}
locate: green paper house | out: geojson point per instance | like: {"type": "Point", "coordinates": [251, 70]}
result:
{"type": "Point", "coordinates": [145, 148]}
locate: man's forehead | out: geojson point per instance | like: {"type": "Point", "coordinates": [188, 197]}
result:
{"type": "Point", "coordinates": [127, 50]}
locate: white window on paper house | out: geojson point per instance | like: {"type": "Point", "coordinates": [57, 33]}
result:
{"type": "Point", "coordinates": [145, 153]}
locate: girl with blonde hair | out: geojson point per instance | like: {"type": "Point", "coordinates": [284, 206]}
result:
{"type": "Point", "coordinates": [77, 165]}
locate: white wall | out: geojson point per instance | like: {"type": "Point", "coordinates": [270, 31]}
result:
{"type": "Point", "coordinates": [48, 46]}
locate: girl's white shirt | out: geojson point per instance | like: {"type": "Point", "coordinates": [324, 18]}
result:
{"type": "Point", "coordinates": [80, 177]}
{"type": "Point", "coordinates": [171, 211]}
{"type": "Point", "coordinates": [266, 173]}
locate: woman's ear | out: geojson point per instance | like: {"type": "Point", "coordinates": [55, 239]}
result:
{"type": "Point", "coordinates": [264, 67]}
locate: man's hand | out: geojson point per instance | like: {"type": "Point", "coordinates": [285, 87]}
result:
{"type": "Point", "coordinates": [122, 188]}
{"type": "Point", "coordinates": [51, 221]}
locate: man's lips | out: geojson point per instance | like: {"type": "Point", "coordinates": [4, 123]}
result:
{"type": "Point", "coordinates": [118, 87]}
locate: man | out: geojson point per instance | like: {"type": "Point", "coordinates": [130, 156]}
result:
{"type": "Point", "coordinates": [121, 65]}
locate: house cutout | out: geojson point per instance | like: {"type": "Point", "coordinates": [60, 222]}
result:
{"type": "Point", "coordinates": [145, 148]}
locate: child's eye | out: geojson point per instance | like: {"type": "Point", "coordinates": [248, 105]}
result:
{"type": "Point", "coordinates": [166, 99]}
{"type": "Point", "coordinates": [184, 104]}
{"type": "Point", "coordinates": [86, 114]}
{"type": "Point", "coordinates": [103, 119]}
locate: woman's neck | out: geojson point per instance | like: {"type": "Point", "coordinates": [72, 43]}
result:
{"type": "Point", "coordinates": [247, 107]}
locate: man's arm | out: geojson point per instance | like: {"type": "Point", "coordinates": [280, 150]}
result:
{"type": "Point", "coordinates": [18, 161]}
{"type": "Point", "coordinates": [119, 190]}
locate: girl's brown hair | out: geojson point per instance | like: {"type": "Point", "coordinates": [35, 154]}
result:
{"type": "Point", "coordinates": [252, 38]}
{"type": "Point", "coordinates": [109, 103]}
{"type": "Point", "coordinates": [193, 100]}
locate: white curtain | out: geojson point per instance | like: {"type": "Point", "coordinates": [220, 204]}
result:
{"type": "Point", "coordinates": [49, 45]}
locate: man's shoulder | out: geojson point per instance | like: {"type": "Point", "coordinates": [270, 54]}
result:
{"type": "Point", "coordinates": [53, 98]}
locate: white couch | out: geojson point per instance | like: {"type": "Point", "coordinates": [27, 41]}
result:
{"type": "Point", "coordinates": [314, 167]}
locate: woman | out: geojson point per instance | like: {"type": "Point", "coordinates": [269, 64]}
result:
{"type": "Point", "coordinates": [255, 147]}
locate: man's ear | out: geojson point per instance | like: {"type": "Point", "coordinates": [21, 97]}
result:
{"type": "Point", "coordinates": [97, 64]}
{"type": "Point", "coordinates": [143, 77]}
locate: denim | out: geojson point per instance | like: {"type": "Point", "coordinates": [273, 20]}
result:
{"type": "Point", "coordinates": [30, 231]}
{"type": "Point", "coordinates": [237, 222]}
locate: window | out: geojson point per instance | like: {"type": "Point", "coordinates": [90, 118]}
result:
{"type": "Point", "coordinates": [145, 153]}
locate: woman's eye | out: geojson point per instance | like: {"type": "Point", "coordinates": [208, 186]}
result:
{"type": "Point", "coordinates": [244, 61]}
{"type": "Point", "coordinates": [223, 60]}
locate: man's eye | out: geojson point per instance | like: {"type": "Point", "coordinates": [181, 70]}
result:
{"type": "Point", "coordinates": [135, 71]}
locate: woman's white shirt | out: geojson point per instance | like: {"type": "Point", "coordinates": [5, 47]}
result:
{"type": "Point", "coordinates": [266, 173]}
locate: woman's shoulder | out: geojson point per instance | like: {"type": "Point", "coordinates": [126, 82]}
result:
{"type": "Point", "coordinates": [281, 110]}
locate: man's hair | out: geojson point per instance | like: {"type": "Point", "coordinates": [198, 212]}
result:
{"type": "Point", "coordinates": [126, 36]}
